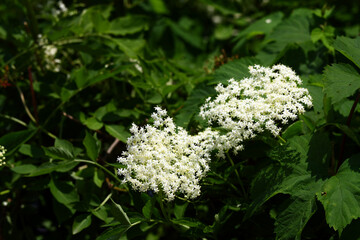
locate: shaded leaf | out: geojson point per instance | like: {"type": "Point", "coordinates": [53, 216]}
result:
{"type": "Point", "coordinates": [92, 145]}
{"type": "Point", "coordinates": [292, 220]}
{"type": "Point", "coordinates": [119, 214]}
{"type": "Point", "coordinates": [113, 233]}
{"type": "Point", "coordinates": [12, 141]}
{"type": "Point", "coordinates": [63, 192]}
{"type": "Point", "coordinates": [129, 24]}
{"type": "Point", "coordinates": [49, 167]}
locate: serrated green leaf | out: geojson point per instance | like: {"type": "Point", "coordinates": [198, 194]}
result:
{"type": "Point", "coordinates": [92, 146]}
{"type": "Point", "coordinates": [340, 195]}
{"type": "Point", "coordinates": [341, 81]}
{"type": "Point", "coordinates": [292, 220]}
{"type": "Point", "coordinates": [80, 223]}
{"type": "Point", "coordinates": [292, 175]}
{"type": "Point", "coordinates": [237, 69]}
{"type": "Point", "coordinates": [63, 192]}
{"type": "Point", "coordinates": [118, 132]}
{"type": "Point", "coordinates": [192, 104]}
{"type": "Point", "coordinates": [349, 47]}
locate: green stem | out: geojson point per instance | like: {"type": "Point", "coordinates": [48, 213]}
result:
{"type": "Point", "coordinates": [13, 119]}
{"type": "Point", "coordinates": [100, 166]}
{"type": "Point", "coordinates": [160, 198]}
{"type": "Point", "coordinates": [281, 139]}
{"type": "Point", "coordinates": [237, 174]}
{"type": "Point", "coordinates": [103, 202]}
{"type": "Point", "coordinates": [225, 180]}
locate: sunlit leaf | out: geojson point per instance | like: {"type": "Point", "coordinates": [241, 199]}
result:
{"type": "Point", "coordinates": [340, 195]}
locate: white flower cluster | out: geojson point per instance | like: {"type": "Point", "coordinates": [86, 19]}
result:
{"type": "Point", "coordinates": [2, 157]}
{"type": "Point", "coordinates": [51, 62]}
{"type": "Point", "coordinates": [250, 106]}
{"type": "Point", "coordinates": [164, 157]}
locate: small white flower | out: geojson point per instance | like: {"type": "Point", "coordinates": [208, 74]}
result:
{"type": "Point", "coordinates": [252, 105]}
{"type": "Point", "coordinates": [165, 157]}
{"type": "Point", "coordinates": [268, 20]}
{"type": "Point", "coordinates": [2, 157]}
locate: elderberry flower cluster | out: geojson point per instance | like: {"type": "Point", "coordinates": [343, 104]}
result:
{"type": "Point", "coordinates": [2, 157]}
{"type": "Point", "coordinates": [164, 157]}
{"type": "Point", "coordinates": [252, 105]}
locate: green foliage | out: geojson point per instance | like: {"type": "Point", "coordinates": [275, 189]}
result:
{"type": "Point", "coordinates": [75, 75]}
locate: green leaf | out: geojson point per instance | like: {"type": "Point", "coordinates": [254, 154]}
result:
{"type": "Point", "coordinates": [237, 69]}
{"type": "Point", "coordinates": [102, 214]}
{"type": "Point", "coordinates": [93, 124]}
{"type": "Point", "coordinates": [119, 214]}
{"type": "Point", "coordinates": [294, 129]}
{"type": "Point", "coordinates": [223, 32]}
{"type": "Point", "coordinates": [192, 104]}
{"type": "Point", "coordinates": [99, 177]}
{"type": "Point", "coordinates": [58, 153]}
{"type": "Point", "coordinates": [340, 195]}
{"type": "Point", "coordinates": [295, 29]}
{"type": "Point", "coordinates": [92, 145]}
{"type": "Point", "coordinates": [189, 37]}
{"type": "Point", "coordinates": [63, 192]}
{"type": "Point", "coordinates": [113, 233]}
{"type": "Point", "coordinates": [129, 24]}
{"type": "Point", "coordinates": [49, 167]}
{"type": "Point", "coordinates": [159, 6]}
{"type": "Point", "coordinates": [341, 81]}
{"type": "Point", "coordinates": [263, 26]}
{"type": "Point", "coordinates": [131, 47]}
{"type": "Point", "coordinates": [292, 220]}
{"type": "Point", "coordinates": [64, 144]}
{"type": "Point", "coordinates": [179, 210]}
{"type": "Point", "coordinates": [350, 48]}
{"type": "Point", "coordinates": [292, 174]}
{"type": "Point", "coordinates": [118, 132]}
{"type": "Point", "coordinates": [147, 209]}
{"type": "Point", "coordinates": [33, 151]}
{"type": "Point", "coordinates": [12, 141]}
{"type": "Point", "coordinates": [24, 168]}
{"type": "Point", "coordinates": [80, 223]}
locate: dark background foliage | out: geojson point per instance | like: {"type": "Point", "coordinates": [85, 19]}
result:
{"type": "Point", "coordinates": [74, 76]}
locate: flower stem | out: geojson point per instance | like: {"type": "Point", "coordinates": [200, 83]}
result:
{"type": "Point", "coordinates": [100, 166]}
{"type": "Point", "coordinates": [237, 175]}
{"type": "Point", "coordinates": [160, 198]}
